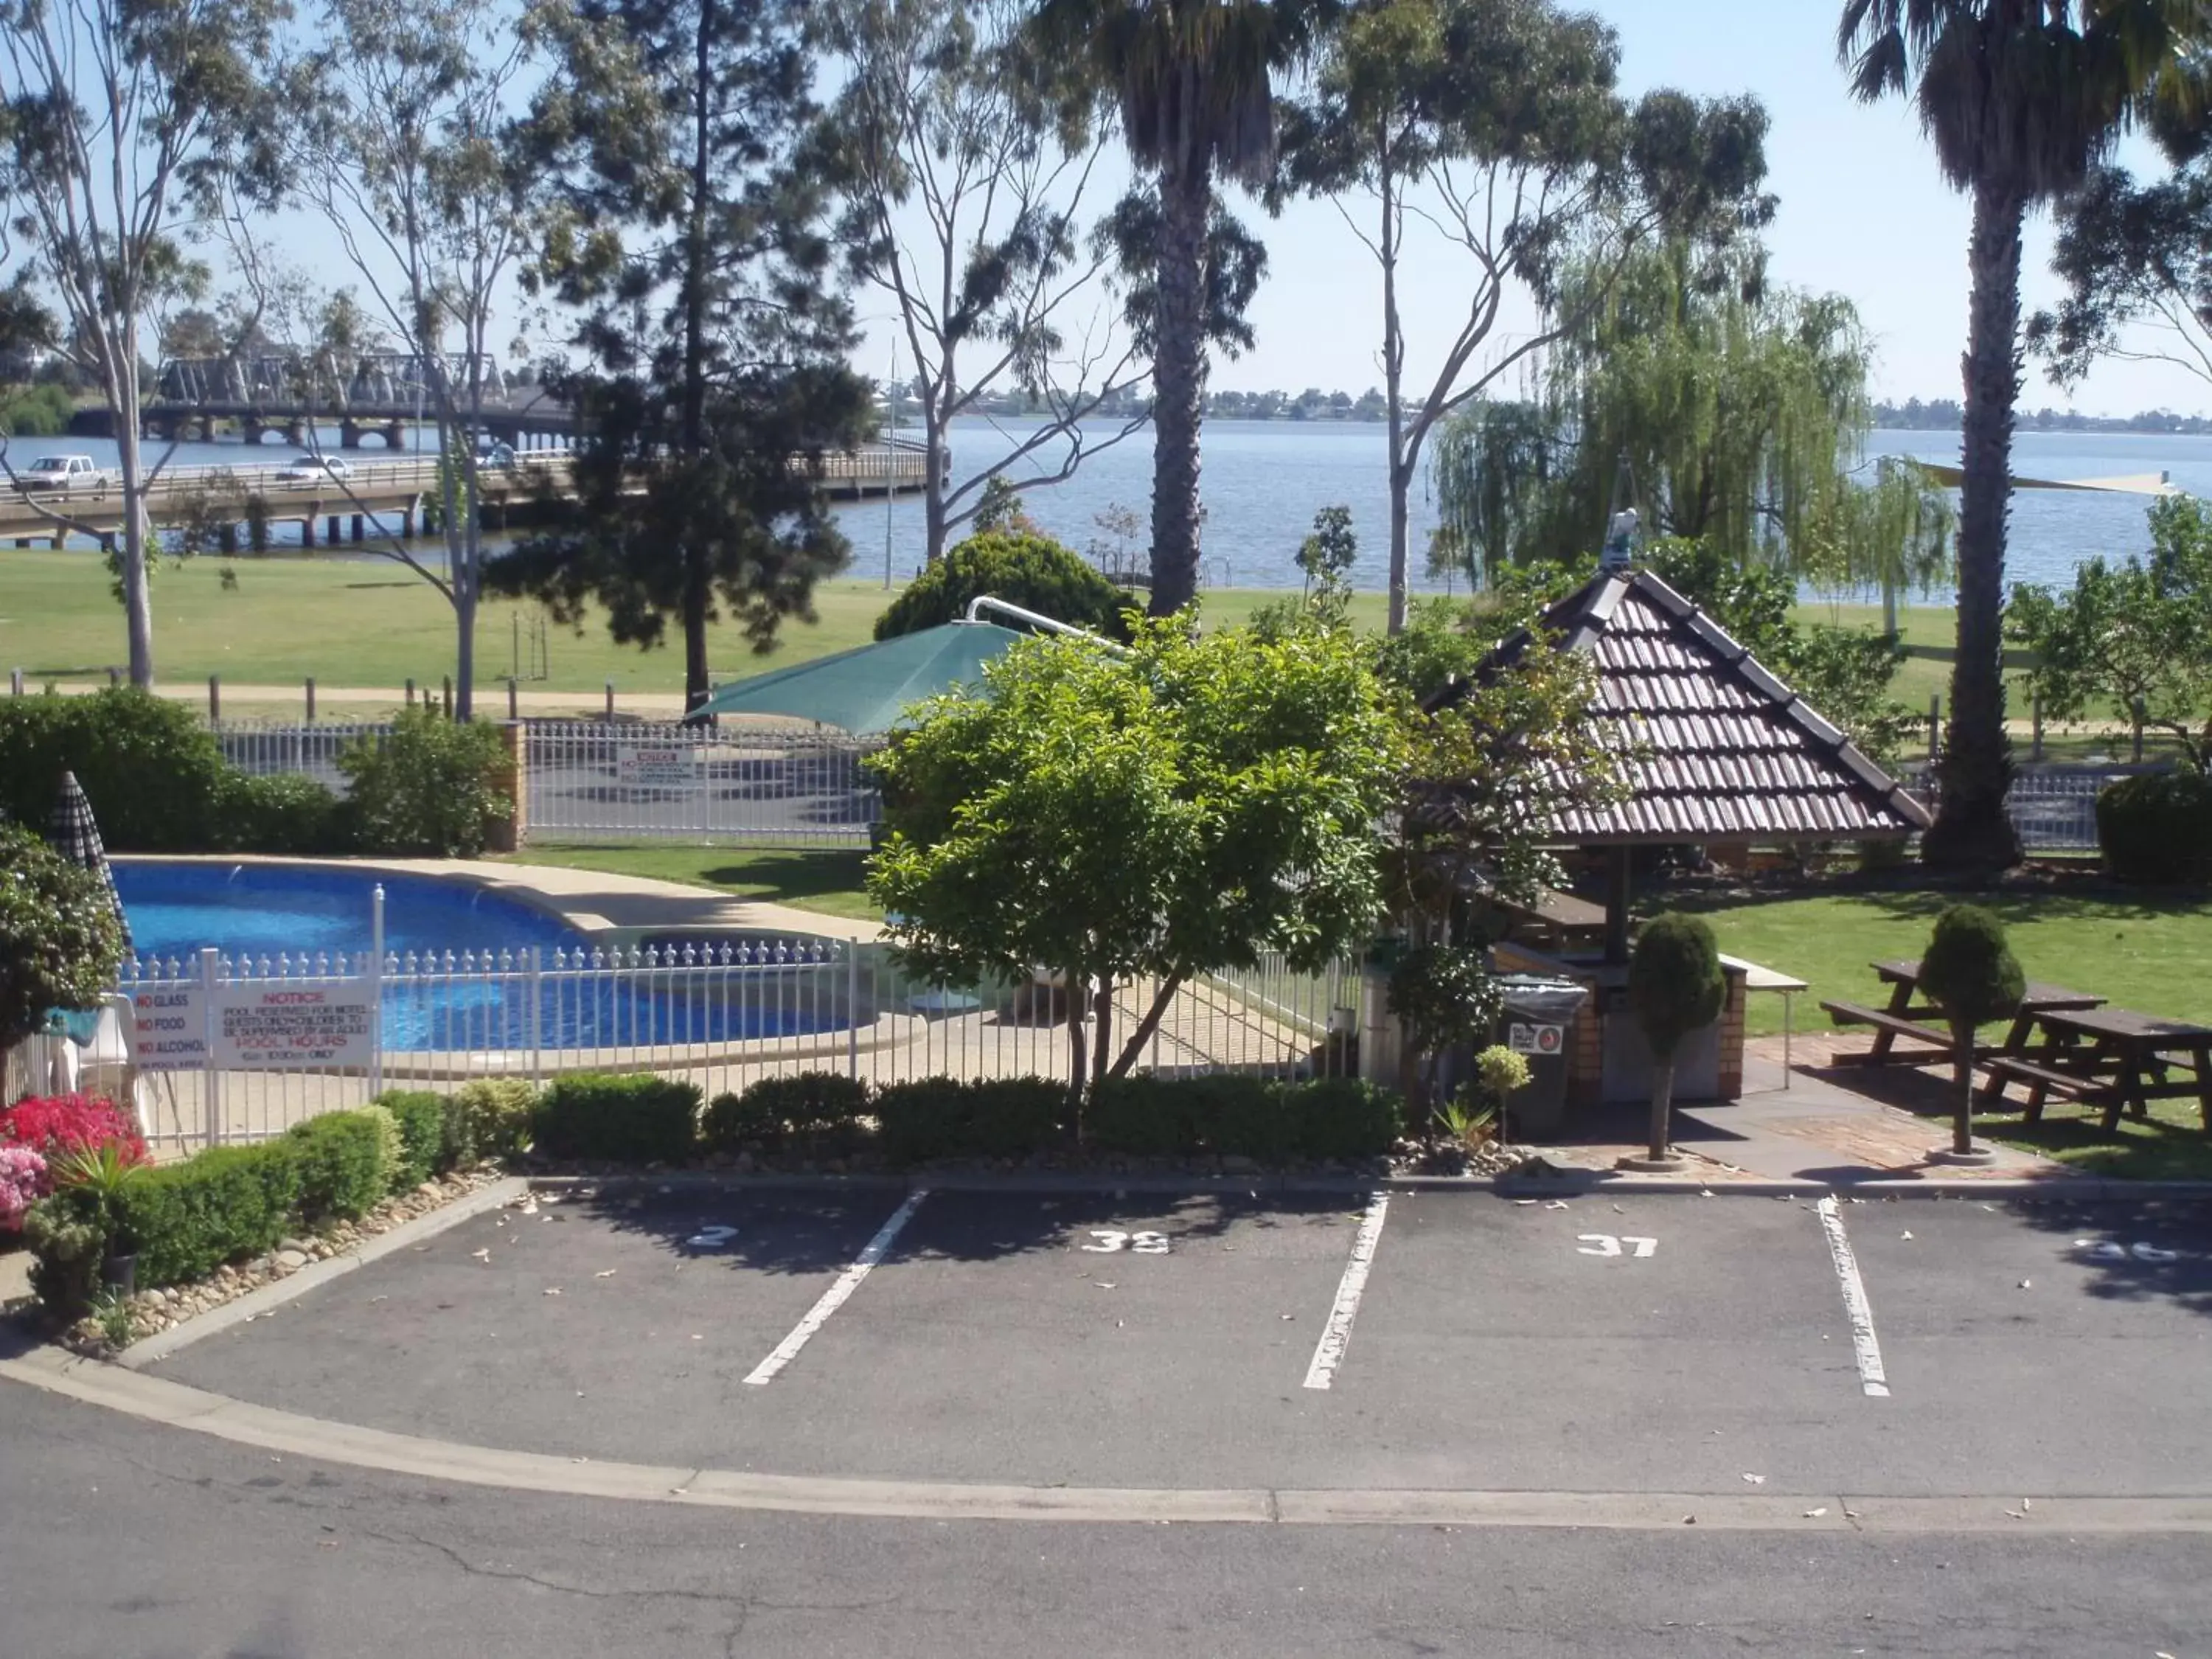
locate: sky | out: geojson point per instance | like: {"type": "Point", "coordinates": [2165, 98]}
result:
{"type": "Point", "coordinates": [1863, 212]}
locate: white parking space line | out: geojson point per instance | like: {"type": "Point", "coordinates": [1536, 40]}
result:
{"type": "Point", "coordinates": [834, 1297]}
{"type": "Point", "coordinates": [1329, 1354]}
{"type": "Point", "coordinates": [1871, 1377]}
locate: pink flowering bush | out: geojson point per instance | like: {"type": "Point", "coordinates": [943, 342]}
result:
{"type": "Point", "coordinates": [23, 1182]}
{"type": "Point", "coordinates": [51, 1124]}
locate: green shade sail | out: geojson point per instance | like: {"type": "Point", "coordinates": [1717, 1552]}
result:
{"type": "Point", "coordinates": [867, 689]}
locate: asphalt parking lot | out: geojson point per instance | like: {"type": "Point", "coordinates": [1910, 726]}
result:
{"type": "Point", "coordinates": [1438, 1339]}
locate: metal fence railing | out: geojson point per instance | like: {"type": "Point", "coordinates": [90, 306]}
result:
{"type": "Point", "coordinates": [267, 748]}
{"type": "Point", "coordinates": [2053, 807]}
{"type": "Point", "coordinates": [770, 787]}
{"type": "Point", "coordinates": [216, 1049]}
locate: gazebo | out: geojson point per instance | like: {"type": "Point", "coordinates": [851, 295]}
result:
{"type": "Point", "coordinates": [1714, 748]}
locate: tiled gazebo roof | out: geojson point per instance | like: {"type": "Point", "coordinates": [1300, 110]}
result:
{"type": "Point", "coordinates": [1716, 747]}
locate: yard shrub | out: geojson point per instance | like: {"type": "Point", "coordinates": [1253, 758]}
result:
{"type": "Point", "coordinates": [1032, 571]}
{"type": "Point", "coordinates": [23, 1182]}
{"type": "Point", "coordinates": [924, 1119]}
{"type": "Point", "coordinates": [493, 1116]}
{"type": "Point", "coordinates": [635, 1119]}
{"type": "Point", "coordinates": [52, 1124]}
{"type": "Point", "coordinates": [340, 1159]}
{"type": "Point", "coordinates": [284, 812]}
{"type": "Point", "coordinates": [60, 942]}
{"type": "Point", "coordinates": [154, 774]}
{"type": "Point", "coordinates": [224, 1204]}
{"type": "Point", "coordinates": [1015, 1116]}
{"type": "Point", "coordinates": [1343, 1118]}
{"type": "Point", "coordinates": [824, 1109]}
{"type": "Point", "coordinates": [430, 787]}
{"type": "Point", "coordinates": [421, 1118]}
{"type": "Point", "coordinates": [1241, 1116]}
{"type": "Point", "coordinates": [2156, 827]}
{"type": "Point", "coordinates": [67, 1238]}
{"type": "Point", "coordinates": [1142, 1116]}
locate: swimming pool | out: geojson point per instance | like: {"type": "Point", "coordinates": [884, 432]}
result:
{"type": "Point", "coordinates": [471, 970]}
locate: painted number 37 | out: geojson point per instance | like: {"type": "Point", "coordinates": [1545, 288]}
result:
{"type": "Point", "coordinates": [1607, 1245]}
{"type": "Point", "coordinates": [1142, 1243]}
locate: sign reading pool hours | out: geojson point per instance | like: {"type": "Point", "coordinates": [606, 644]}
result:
{"type": "Point", "coordinates": [169, 1028]}
{"type": "Point", "coordinates": [655, 765]}
{"type": "Point", "coordinates": [268, 1026]}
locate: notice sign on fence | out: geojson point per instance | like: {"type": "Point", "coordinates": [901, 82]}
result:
{"type": "Point", "coordinates": [655, 765]}
{"type": "Point", "coordinates": [167, 1031]}
{"type": "Point", "coordinates": [259, 1028]}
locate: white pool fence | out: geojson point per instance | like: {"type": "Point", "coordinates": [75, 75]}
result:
{"type": "Point", "coordinates": [214, 1049]}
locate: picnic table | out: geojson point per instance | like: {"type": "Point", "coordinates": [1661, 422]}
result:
{"type": "Point", "coordinates": [1904, 1019]}
{"type": "Point", "coordinates": [2111, 1057]}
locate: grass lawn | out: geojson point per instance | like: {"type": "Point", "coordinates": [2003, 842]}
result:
{"type": "Point", "coordinates": [2149, 952]}
{"type": "Point", "coordinates": [827, 880]}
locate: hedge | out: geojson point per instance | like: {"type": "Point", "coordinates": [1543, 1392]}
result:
{"type": "Point", "coordinates": [422, 1117]}
{"type": "Point", "coordinates": [632, 1119]}
{"type": "Point", "coordinates": [228, 1203]}
{"type": "Point", "coordinates": [2156, 827]}
{"type": "Point", "coordinates": [342, 1170]}
{"type": "Point", "coordinates": [824, 1110]}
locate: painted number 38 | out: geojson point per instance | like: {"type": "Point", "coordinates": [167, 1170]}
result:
{"type": "Point", "coordinates": [1142, 1243]}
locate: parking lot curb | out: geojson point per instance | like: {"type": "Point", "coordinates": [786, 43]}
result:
{"type": "Point", "coordinates": [259, 1302]}
{"type": "Point", "coordinates": [159, 1401]}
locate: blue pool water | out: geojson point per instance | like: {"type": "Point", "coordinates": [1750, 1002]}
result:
{"type": "Point", "coordinates": [250, 912]}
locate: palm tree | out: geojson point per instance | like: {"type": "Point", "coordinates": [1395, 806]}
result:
{"type": "Point", "coordinates": [2021, 98]}
{"type": "Point", "coordinates": [1196, 81]}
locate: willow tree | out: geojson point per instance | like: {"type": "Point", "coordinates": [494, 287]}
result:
{"type": "Point", "coordinates": [2022, 99]}
{"type": "Point", "coordinates": [1724, 411]}
{"type": "Point", "coordinates": [1488, 143]}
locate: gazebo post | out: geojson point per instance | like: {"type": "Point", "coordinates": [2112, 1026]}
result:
{"type": "Point", "coordinates": [1618, 869]}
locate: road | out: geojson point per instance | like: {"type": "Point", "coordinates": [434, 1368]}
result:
{"type": "Point", "coordinates": [2038, 1359]}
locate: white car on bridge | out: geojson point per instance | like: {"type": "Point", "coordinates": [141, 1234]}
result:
{"type": "Point", "coordinates": [52, 473]}
{"type": "Point", "coordinates": [315, 469]}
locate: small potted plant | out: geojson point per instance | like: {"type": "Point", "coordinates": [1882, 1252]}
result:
{"type": "Point", "coordinates": [99, 1178]}
{"type": "Point", "coordinates": [1474, 1118]}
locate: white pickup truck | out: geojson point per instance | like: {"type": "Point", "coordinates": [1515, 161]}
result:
{"type": "Point", "coordinates": [51, 473]}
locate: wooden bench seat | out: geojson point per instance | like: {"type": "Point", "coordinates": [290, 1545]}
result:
{"type": "Point", "coordinates": [1852, 1013]}
{"type": "Point", "coordinates": [2041, 1081]}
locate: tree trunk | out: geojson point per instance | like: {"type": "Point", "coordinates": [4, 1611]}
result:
{"type": "Point", "coordinates": [1663, 1102]}
{"type": "Point", "coordinates": [1971, 832]}
{"type": "Point", "coordinates": [1102, 1014]}
{"type": "Point", "coordinates": [697, 589]}
{"type": "Point", "coordinates": [1179, 385]}
{"type": "Point", "coordinates": [137, 594]}
{"type": "Point", "coordinates": [933, 510]}
{"type": "Point", "coordinates": [1079, 1056]}
{"type": "Point", "coordinates": [1962, 1061]}
{"type": "Point", "coordinates": [698, 593]}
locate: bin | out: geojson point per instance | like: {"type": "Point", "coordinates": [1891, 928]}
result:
{"type": "Point", "coordinates": [1537, 1022]}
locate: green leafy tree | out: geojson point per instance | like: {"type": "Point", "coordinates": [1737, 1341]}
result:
{"type": "Point", "coordinates": [120, 124]}
{"type": "Point", "coordinates": [1138, 819]}
{"type": "Point", "coordinates": [1722, 410]}
{"type": "Point", "coordinates": [1970, 973]}
{"type": "Point", "coordinates": [2132, 639]}
{"type": "Point", "coordinates": [2020, 103]}
{"type": "Point", "coordinates": [971, 158]}
{"type": "Point", "coordinates": [690, 229]}
{"type": "Point", "coordinates": [1675, 986]}
{"type": "Point", "coordinates": [1030, 570]}
{"type": "Point", "coordinates": [1196, 81]}
{"type": "Point", "coordinates": [60, 939]}
{"type": "Point", "coordinates": [1433, 115]}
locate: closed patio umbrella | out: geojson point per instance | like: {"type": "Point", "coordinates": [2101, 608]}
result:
{"type": "Point", "coordinates": [75, 835]}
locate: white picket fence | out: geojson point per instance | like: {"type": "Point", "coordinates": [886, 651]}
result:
{"type": "Point", "coordinates": [767, 786]}
{"type": "Point", "coordinates": [224, 1050]}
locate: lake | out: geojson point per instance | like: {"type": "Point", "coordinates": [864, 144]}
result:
{"type": "Point", "coordinates": [1264, 480]}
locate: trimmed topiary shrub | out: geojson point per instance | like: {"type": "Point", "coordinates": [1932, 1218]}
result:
{"type": "Point", "coordinates": [2156, 827]}
{"type": "Point", "coordinates": [421, 1118]}
{"type": "Point", "coordinates": [1032, 571]}
{"type": "Point", "coordinates": [1971, 973]}
{"type": "Point", "coordinates": [638, 1119]}
{"type": "Point", "coordinates": [228, 1203]}
{"type": "Point", "coordinates": [1676, 986]}
{"type": "Point", "coordinates": [341, 1160]}
{"type": "Point", "coordinates": [494, 1115]}
{"type": "Point", "coordinates": [824, 1109]}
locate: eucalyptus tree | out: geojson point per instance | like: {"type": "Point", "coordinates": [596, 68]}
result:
{"type": "Point", "coordinates": [691, 231]}
{"type": "Point", "coordinates": [1724, 411]}
{"type": "Point", "coordinates": [399, 127]}
{"type": "Point", "coordinates": [1196, 83]}
{"type": "Point", "coordinates": [2022, 100]}
{"type": "Point", "coordinates": [121, 116]}
{"type": "Point", "coordinates": [969, 157]}
{"type": "Point", "coordinates": [1491, 137]}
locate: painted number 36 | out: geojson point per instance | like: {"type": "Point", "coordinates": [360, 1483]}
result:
{"type": "Point", "coordinates": [1607, 1245]}
{"type": "Point", "coordinates": [1142, 1243]}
